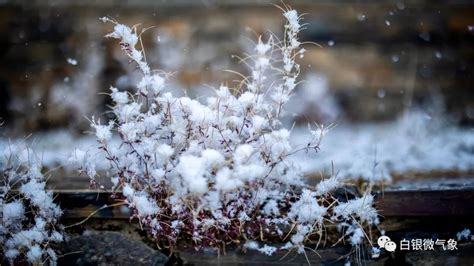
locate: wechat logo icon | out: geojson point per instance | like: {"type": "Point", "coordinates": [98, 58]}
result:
{"type": "Point", "coordinates": [387, 244]}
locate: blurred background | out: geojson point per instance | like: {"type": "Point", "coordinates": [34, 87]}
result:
{"type": "Point", "coordinates": [395, 76]}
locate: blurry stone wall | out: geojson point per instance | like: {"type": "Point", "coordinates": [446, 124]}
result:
{"type": "Point", "coordinates": [377, 57]}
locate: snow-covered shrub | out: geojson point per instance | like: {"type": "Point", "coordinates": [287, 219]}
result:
{"type": "Point", "coordinates": [29, 226]}
{"type": "Point", "coordinates": [215, 172]}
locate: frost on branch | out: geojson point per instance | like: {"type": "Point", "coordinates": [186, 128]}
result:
{"type": "Point", "coordinates": [216, 172]}
{"type": "Point", "coordinates": [29, 227]}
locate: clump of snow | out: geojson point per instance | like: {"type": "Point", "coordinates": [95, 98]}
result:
{"type": "Point", "coordinates": [242, 153]}
{"type": "Point", "coordinates": [307, 209]}
{"type": "Point", "coordinates": [35, 254]}
{"type": "Point", "coordinates": [328, 185]}
{"type": "Point", "coordinates": [375, 252]}
{"type": "Point", "coordinates": [192, 170]}
{"type": "Point", "coordinates": [72, 61]}
{"type": "Point", "coordinates": [359, 207]}
{"type": "Point", "coordinates": [357, 237]}
{"type": "Point", "coordinates": [293, 20]}
{"type": "Point", "coordinates": [102, 132]}
{"type": "Point", "coordinates": [144, 206]}
{"type": "Point", "coordinates": [225, 181]}
{"type": "Point", "coordinates": [253, 245]}
{"type": "Point", "coordinates": [267, 250]}
{"type": "Point", "coordinates": [13, 212]}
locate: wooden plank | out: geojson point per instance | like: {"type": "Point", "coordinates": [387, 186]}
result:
{"type": "Point", "coordinates": [455, 202]}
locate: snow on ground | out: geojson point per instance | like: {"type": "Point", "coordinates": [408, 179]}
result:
{"type": "Point", "coordinates": [53, 148]}
{"type": "Point", "coordinates": [414, 142]}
